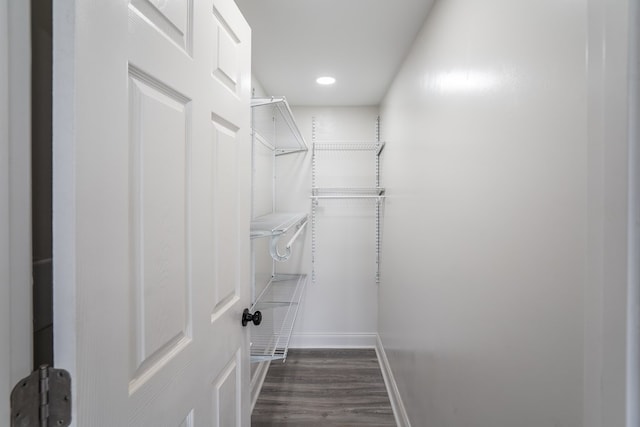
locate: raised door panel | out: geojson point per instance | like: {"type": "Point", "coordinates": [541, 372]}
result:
{"type": "Point", "coordinates": [189, 420]}
{"type": "Point", "coordinates": [225, 228]}
{"type": "Point", "coordinates": [173, 19]}
{"type": "Point", "coordinates": [226, 395]}
{"type": "Point", "coordinates": [226, 65]}
{"type": "Point", "coordinates": [159, 120]}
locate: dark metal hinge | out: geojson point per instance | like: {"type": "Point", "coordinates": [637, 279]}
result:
{"type": "Point", "coordinates": [43, 399]}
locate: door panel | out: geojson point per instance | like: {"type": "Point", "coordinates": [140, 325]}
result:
{"type": "Point", "coordinates": [173, 19]}
{"type": "Point", "coordinates": [226, 285]}
{"type": "Point", "coordinates": [152, 224]}
{"type": "Point", "coordinates": [161, 314]}
{"type": "Point", "coordinates": [188, 421]}
{"type": "Point", "coordinates": [226, 395]}
{"type": "Point", "coordinates": [225, 63]}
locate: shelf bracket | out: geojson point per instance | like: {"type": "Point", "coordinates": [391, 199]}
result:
{"type": "Point", "coordinates": [273, 250]}
{"type": "Point", "coordinates": [273, 246]}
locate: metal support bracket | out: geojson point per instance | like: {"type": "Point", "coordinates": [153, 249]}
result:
{"type": "Point", "coordinates": [273, 246]}
{"type": "Point", "coordinates": [273, 250]}
{"type": "Point", "coordinates": [42, 399]}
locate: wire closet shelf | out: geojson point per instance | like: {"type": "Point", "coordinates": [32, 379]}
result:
{"type": "Point", "coordinates": [273, 125]}
{"type": "Point", "coordinates": [280, 301]}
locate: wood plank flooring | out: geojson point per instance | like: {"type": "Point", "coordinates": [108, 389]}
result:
{"type": "Point", "coordinates": [324, 387]}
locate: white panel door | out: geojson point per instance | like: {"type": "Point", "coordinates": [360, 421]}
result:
{"type": "Point", "coordinates": [151, 210]}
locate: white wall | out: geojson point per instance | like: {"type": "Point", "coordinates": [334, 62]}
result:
{"type": "Point", "coordinates": [485, 238]}
{"type": "Point", "coordinates": [340, 308]}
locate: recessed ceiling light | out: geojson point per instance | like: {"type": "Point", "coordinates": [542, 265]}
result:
{"type": "Point", "coordinates": [326, 80]}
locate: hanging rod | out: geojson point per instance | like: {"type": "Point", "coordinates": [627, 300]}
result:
{"type": "Point", "coordinates": [376, 146]}
{"type": "Point", "coordinates": [295, 236]}
{"type": "Point", "coordinates": [349, 197]}
{"type": "Point", "coordinates": [347, 193]}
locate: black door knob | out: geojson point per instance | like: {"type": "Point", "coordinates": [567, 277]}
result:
{"type": "Point", "coordinates": [247, 317]}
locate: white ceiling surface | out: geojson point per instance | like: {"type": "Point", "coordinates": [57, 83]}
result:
{"type": "Point", "coordinates": [359, 42]}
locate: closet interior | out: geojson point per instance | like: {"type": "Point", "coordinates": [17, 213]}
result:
{"type": "Point", "coordinates": [317, 212]}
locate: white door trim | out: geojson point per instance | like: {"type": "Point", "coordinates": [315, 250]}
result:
{"type": "Point", "coordinates": [15, 196]}
{"type": "Point", "coordinates": [633, 302]}
{"type": "Point", "coordinates": [610, 172]}
{"type": "Point", "coordinates": [5, 305]}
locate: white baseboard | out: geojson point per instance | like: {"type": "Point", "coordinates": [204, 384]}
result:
{"type": "Point", "coordinates": [319, 340]}
{"type": "Point", "coordinates": [402, 419]}
{"type": "Point", "coordinates": [257, 381]}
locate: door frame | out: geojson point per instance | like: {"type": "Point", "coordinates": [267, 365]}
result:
{"type": "Point", "coordinates": [611, 273]}
{"type": "Point", "coordinates": [15, 196]}
{"type": "Point", "coordinates": [633, 297]}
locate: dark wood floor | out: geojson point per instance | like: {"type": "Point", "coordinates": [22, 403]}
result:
{"type": "Point", "coordinates": [324, 388]}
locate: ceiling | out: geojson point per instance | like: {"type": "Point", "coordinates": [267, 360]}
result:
{"type": "Point", "coordinates": [359, 42]}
